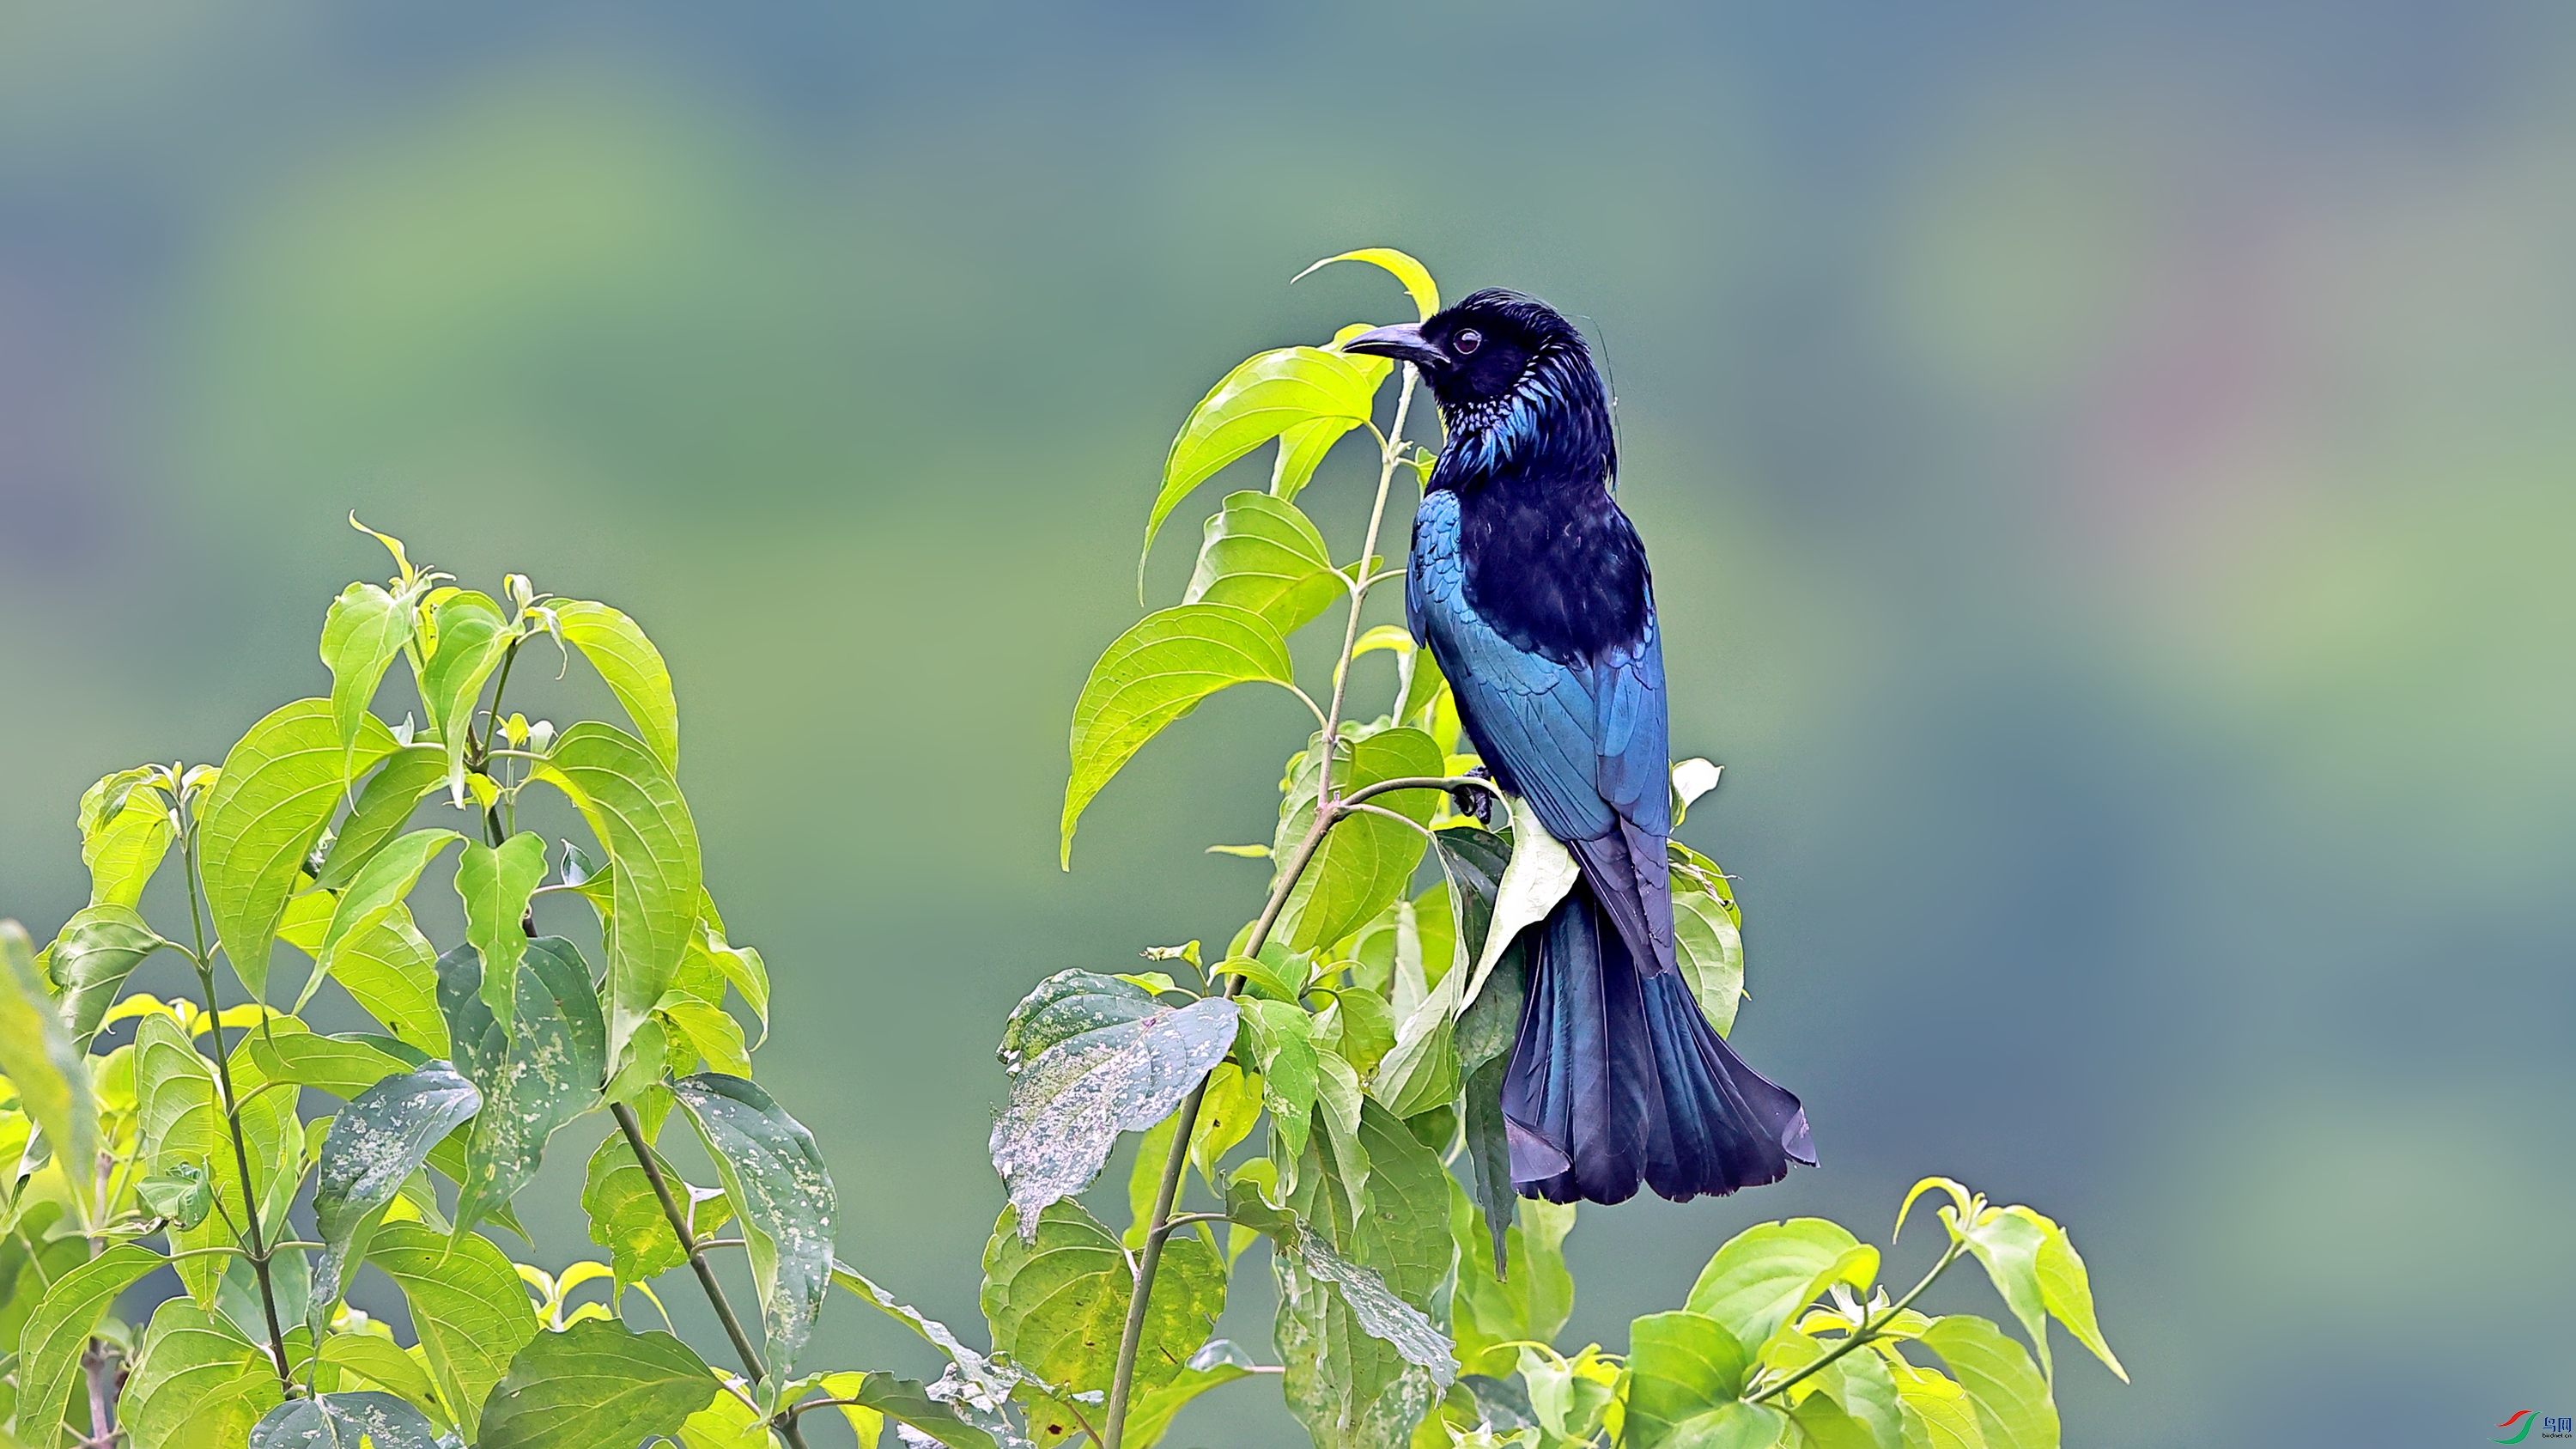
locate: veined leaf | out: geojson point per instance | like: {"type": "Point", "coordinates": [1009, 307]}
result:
{"type": "Point", "coordinates": [183, 1126]}
{"type": "Point", "coordinates": [1540, 873]}
{"type": "Point", "coordinates": [467, 1306]}
{"type": "Point", "coordinates": [1854, 1402]}
{"type": "Point", "coordinates": [2009, 1246]}
{"type": "Point", "coordinates": [1263, 397]}
{"type": "Point", "coordinates": [1218, 1361]}
{"type": "Point", "coordinates": [1529, 1302]}
{"type": "Point", "coordinates": [1762, 1276]}
{"type": "Point", "coordinates": [1685, 1379]}
{"type": "Point", "coordinates": [196, 1381]}
{"type": "Point", "coordinates": [633, 668]}
{"type": "Point", "coordinates": [49, 1347]}
{"type": "Point", "coordinates": [384, 807]}
{"type": "Point", "coordinates": [2067, 1288]}
{"type": "Point", "coordinates": [364, 632]}
{"type": "Point", "coordinates": [495, 885]}
{"type": "Point", "coordinates": [40, 1059]}
{"type": "Point", "coordinates": [907, 1401]}
{"type": "Point", "coordinates": [1415, 276]}
{"type": "Point", "coordinates": [367, 1417]}
{"type": "Point", "coordinates": [2011, 1399]}
{"type": "Point", "coordinates": [472, 634]}
{"type": "Point", "coordinates": [1708, 929]}
{"type": "Point", "coordinates": [382, 884]}
{"type": "Point", "coordinates": [1281, 1036]}
{"type": "Point", "coordinates": [1262, 554]}
{"type": "Point", "coordinates": [373, 1360]}
{"type": "Point", "coordinates": [1153, 674]}
{"type": "Point", "coordinates": [391, 971]}
{"type": "Point", "coordinates": [774, 1173]}
{"type": "Point", "coordinates": [1936, 1411]}
{"type": "Point", "coordinates": [125, 832]}
{"type": "Point", "coordinates": [594, 1385]}
{"type": "Point", "coordinates": [1091, 1057]}
{"type": "Point", "coordinates": [97, 949]}
{"type": "Point", "coordinates": [259, 822]}
{"type": "Point", "coordinates": [286, 1050]}
{"type": "Point", "coordinates": [626, 1214]}
{"type": "Point", "coordinates": [378, 1140]}
{"type": "Point", "coordinates": [1365, 863]}
{"type": "Point", "coordinates": [1057, 1299]}
{"type": "Point", "coordinates": [635, 810]}
{"type": "Point", "coordinates": [538, 1071]}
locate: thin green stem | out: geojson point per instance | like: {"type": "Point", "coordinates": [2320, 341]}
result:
{"type": "Point", "coordinates": [1870, 1324]}
{"type": "Point", "coordinates": [232, 1114]}
{"type": "Point", "coordinates": [1185, 1123]}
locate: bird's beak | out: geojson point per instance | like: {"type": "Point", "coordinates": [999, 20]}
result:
{"type": "Point", "coordinates": [1403, 341]}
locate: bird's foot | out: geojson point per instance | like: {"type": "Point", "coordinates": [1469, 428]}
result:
{"type": "Point", "coordinates": [1469, 800]}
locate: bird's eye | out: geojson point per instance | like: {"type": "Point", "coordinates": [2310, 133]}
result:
{"type": "Point", "coordinates": [1466, 342]}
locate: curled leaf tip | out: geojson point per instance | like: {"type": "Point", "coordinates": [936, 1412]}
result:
{"type": "Point", "coordinates": [1415, 276]}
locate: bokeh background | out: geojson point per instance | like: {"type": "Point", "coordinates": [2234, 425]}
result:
{"type": "Point", "coordinates": [2108, 470]}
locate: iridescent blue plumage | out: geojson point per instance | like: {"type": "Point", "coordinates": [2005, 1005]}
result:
{"type": "Point", "coordinates": [1530, 588]}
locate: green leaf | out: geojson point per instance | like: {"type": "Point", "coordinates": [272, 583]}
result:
{"type": "Point", "coordinates": [626, 1214]}
{"type": "Point", "coordinates": [384, 807]}
{"type": "Point", "coordinates": [364, 632]}
{"type": "Point", "coordinates": [495, 885]}
{"type": "Point", "coordinates": [39, 1058]}
{"type": "Point", "coordinates": [1057, 1299]}
{"type": "Point", "coordinates": [374, 1360]}
{"type": "Point", "coordinates": [2011, 1399]}
{"type": "Point", "coordinates": [1262, 554]}
{"type": "Point", "coordinates": [710, 1033]}
{"type": "Point", "coordinates": [2009, 1246]}
{"type": "Point", "coordinates": [1365, 863]}
{"type": "Point", "coordinates": [467, 1306]}
{"type": "Point", "coordinates": [183, 1195]}
{"type": "Point", "coordinates": [345, 1421]}
{"type": "Point", "coordinates": [1153, 674]}
{"type": "Point", "coordinates": [1091, 1056]}
{"type": "Point", "coordinates": [596, 1385]}
{"type": "Point", "coordinates": [538, 1072]}
{"type": "Point", "coordinates": [987, 1385]}
{"type": "Point", "coordinates": [1712, 955]}
{"type": "Point", "coordinates": [774, 1173]}
{"type": "Point", "coordinates": [1540, 873]}
{"type": "Point", "coordinates": [182, 1124]}
{"type": "Point", "coordinates": [1281, 1036]}
{"type": "Point", "coordinates": [259, 822]}
{"type": "Point", "coordinates": [97, 949]}
{"type": "Point", "coordinates": [633, 668]}
{"type": "Point", "coordinates": [1264, 396]}
{"type": "Point", "coordinates": [1936, 1411]}
{"type": "Point", "coordinates": [1533, 1298]}
{"type": "Point", "coordinates": [726, 1423]}
{"type": "Point", "coordinates": [49, 1347]}
{"type": "Point", "coordinates": [1850, 1401]}
{"type": "Point", "coordinates": [376, 1142]}
{"type": "Point", "coordinates": [1415, 277]}
{"type": "Point", "coordinates": [1149, 1416]}
{"type": "Point", "coordinates": [2067, 1289]}
{"type": "Point", "coordinates": [382, 884]}
{"type": "Point", "coordinates": [909, 1402]}
{"type": "Point", "coordinates": [125, 833]}
{"type": "Point", "coordinates": [391, 971]}
{"type": "Point", "coordinates": [196, 1381]}
{"type": "Point", "coordinates": [1765, 1274]}
{"type": "Point", "coordinates": [1685, 1376]}
{"type": "Point", "coordinates": [473, 635]}
{"type": "Point", "coordinates": [635, 810]}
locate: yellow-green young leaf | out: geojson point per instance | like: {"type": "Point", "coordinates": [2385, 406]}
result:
{"type": "Point", "coordinates": [373, 1360]}
{"type": "Point", "coordinates": [366, 628]}
{"type": "Point", "coordinates": [125, 832]}
{"type": "Point", "coordinates": [1265, 396]}
{"type": "Point", "coordinates": [196, 1382]}
{"type": "Point", "coordinates": [1765, 1274]}
{"type": "Point", "coordinates": [635, 810]}
{"type": "Point", "coordinates": [385, 882]}
{"type": "Point", "coordinates": [1219, 1361]}
{"type": "Point", "coordinates": [98, 948]}
{"type": "Point", "coordinates": [2009, 1247]}
{"type": "Point", "coordinates": [1853, 1403]}
{"type": "Point", "coordinates": [2067, 1288]}
{"type": "Point", "coordinates": [1152, 675]}
{"type": "Point", "coordinates": [774, 1174]}
{"type": "Point", "coordinates": [1415, 276]}
{"type": "Point", "coordinates": [626, 1214]}
{"type": "Point", "coordinates": [1262, 554]}
{"type": "Point", "coordinates": [390, 970]}
{"type": "Point", "coordinates": [2013, 1408]}
{"type": "Point", "coordinates": [472, 634]}
{"type": "Point", "coordinates": [495, 885]}
{"type": "Point", "coordinates": [710, 1031]}
{"type": "Point", "coordinates": [1365, 863]}
{"type": "Point", "coordinates": [49, 1347]}
{"type": "Point", "coordinates": [384, 806]}
{"type": "Point", "coordinates": [1058, 1304]}
{"type": "Point", "coordinates": [466, 1304]}
{"type": "Point", "coordinates": [41, 1061]}
{"type": "Point", "coordinates": [593, 1385]}
{"type": "Point", "coordinates": [633, 668]}
{"type": "Point", "coordinates": [725, 1423]}
{"type": "Point", "coordinates": [259, 822]}
{"type": "Point", "coordinates": [1685, 1376]}
{"type": "Point", "coordinates": [1936, 1411]}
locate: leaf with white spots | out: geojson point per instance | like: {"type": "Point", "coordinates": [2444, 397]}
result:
{"type": "Point", "coordinates": [379, 1139]}
{"type": "Point", "coordinates": [775, 1176]}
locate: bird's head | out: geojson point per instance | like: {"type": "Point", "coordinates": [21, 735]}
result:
{"type": "Point", "coordinates": [1511, 374]}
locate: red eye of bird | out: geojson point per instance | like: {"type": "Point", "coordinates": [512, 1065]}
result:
{"type": "Point", "coordinates": [1466, 342]}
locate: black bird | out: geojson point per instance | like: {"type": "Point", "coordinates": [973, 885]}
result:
{"type": "Point", "coordinates": [1530, 588]}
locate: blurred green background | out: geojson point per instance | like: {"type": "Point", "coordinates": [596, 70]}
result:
{"type": "Point", "coordinates": [2107, 468]}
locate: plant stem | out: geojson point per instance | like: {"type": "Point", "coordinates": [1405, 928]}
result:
{"type": "Point", "coordinates": [257, 1254]}
{"type": "Point", "coordinates": [1327, 810]}
{"type": "Point", "coordinates": [1870, 1324]}
{"type": "Point", "coordinates": [678, 1217]}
